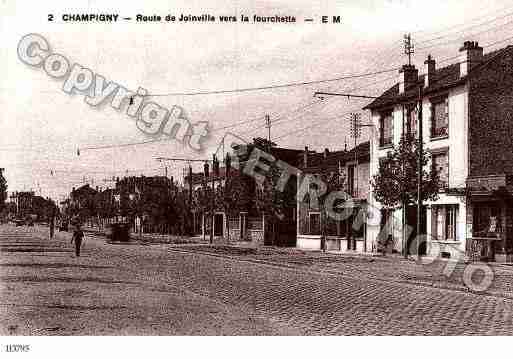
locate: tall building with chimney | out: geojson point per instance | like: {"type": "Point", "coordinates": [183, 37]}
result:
{"type": "Point", "coordinates": [467, 115]}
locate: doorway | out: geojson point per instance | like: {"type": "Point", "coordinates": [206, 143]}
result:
{"type": "Point", "coordinates": [411, 221]}
{"type": "Point", "coordinates": [218, 224]}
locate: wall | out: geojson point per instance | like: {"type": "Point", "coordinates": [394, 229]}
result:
{"type": "Point", "coordinates": [457, 144]}
{"type": "Point", "coordinates": [458, 134]}
{"type": "Point", "coordinates": [491, 118]}
{"type": "Point", "coordinates": [455, 248]}
{"type": "Point", "coordinates": [363, 171]}
{"type": "Point", "coordinates": [307, 241]}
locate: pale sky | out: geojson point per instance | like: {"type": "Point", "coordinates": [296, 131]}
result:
{"type": "Point", "coordinates": [41, 127]}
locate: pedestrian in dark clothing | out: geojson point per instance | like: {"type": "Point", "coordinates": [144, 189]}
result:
{"type": "Point", "coordinates": [77, 237]}
{"type": "Point", "coordinates": [52, 226]}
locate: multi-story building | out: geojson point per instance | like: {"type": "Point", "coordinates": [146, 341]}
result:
{"type": "Point", "coordinates": [467, 116]}
{"type": "Point", "coordinates": [349, 170]}
{"type": "Point", "coordinates": [249, 223]}
{"type": "Point", "coordinates": [246, 225]}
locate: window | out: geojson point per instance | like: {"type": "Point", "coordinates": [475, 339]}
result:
{"type": "Point", "coordinates": [440, 118]}
{"type": "Point", "coordinates": [443, 222]}
{"type": "Point", "coordinates": [440, 162]}
{"type": "Point", "coordinates": [314, 223]}
{"type": "Point", "coordinates": [386, 130]}
{"type": "Point", "coordinates": [486, 218]}
{"type": "Point", "coordinates": [411, 120]}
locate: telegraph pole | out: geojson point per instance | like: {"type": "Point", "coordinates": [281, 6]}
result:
{"type": "Point", "coordinates": [355, 133]}
{"type": "Point", "coordinates": [268, 126]}
{"type": "Point", "coordinates": [419, 181]}
{"type": "Point", "coordinates": [190, 199]}
{"type": "Point", "coordinates": [214, 160]}
{"type": "Point", "coordinates": [409, 48]}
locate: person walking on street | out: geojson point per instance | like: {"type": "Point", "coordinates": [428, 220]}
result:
{"type": "Point", "coordinates": [52, 226]}
{"type": "Point", "coordinates": [77, 237]}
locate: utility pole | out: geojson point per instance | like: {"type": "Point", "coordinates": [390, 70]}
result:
{"type": "Point", "coordinates": [205, 190]}
{"type": "Point", "coordinates": [419, 184]}
{"type": "Point", "coordinates": [223, 148]}
{"type": "Point", "coordinates": [356, 132]}
{"type": "Point", "coordinates": [268, 126]}
{"type": "Point", "coordinates": [409, 48]}
{"type": "Point", "coordinates": [190, 198]}
{"type": "Point", "coordinates": [214, 164]}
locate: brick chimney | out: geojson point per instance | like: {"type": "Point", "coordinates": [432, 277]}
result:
{"type": "Point", "coordinates": [305, 157]}
{"type": "Point", "coordinates": [408, 75]}
{"type": "Point", "coordinates": [471, 55]}
{"type": "Point", "coordinates": [430, 68]}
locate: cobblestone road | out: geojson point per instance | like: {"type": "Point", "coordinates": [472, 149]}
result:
{"type": "Point", "coordinates": [161, 289]}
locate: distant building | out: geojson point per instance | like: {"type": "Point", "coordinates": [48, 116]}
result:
{"type": "Point", "coordinates": [23, 201]}
{"type": "Point", "coordinates": [249, 224]}
{"type": "Point", "coordinates": [350, 171]}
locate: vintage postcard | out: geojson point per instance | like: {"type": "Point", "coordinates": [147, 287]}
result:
{"type": "Point", "coordinates": [255, 168]}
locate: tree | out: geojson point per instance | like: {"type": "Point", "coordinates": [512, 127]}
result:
{"type": "Point", "coordinates": [105, 205]}
{"type": "Point", "coordinates": [334, 182]}
{"type": "Point", "coordinates": [203, 200]}
{"type": "Point", "coordinates": [3, 189]}
{"type": "Point", "coordinates": [396, 182]}
{"type": "Point", "coordinates": [273, 202]}
{"type": "Point", "coordinates": [235, 196]}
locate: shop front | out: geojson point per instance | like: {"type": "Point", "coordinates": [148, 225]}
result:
{"type": "Point", "coordinates": [491, 218]}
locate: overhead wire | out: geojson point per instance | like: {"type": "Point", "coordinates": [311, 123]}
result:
{"type": "Point", "coordinates": [248, 121]}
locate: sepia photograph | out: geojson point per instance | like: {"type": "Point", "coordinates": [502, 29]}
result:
{"type": "Point", "coordinates": [255, 168]}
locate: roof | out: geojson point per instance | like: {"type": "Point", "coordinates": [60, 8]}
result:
{"type": "Point", "coordinates": [287, 155]}
{"type": "Point", "coordinates": [316, 159]}
{"type": "Point", "coordinates": [199, 176]}
{"type": "Point", "coordinates": [445, 77]}
{"type": "Point", "coordinates": [84, 190]}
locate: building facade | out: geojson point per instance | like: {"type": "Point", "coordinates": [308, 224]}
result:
{"type": "Point", "coordinates": [243, 220]}
{"type": "Point", "coordinates": [467, 111]}
{"type": "Point", "coordinates": [346, 171]}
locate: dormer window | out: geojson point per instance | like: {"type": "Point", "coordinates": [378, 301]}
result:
{"type": "Point", "coordinates": [386, 129]}
{"type": "Point", "coordinates": [440, 118]}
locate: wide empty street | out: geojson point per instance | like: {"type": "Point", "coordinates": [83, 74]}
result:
{"type": "Point", "coordinates": [162, 289]}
